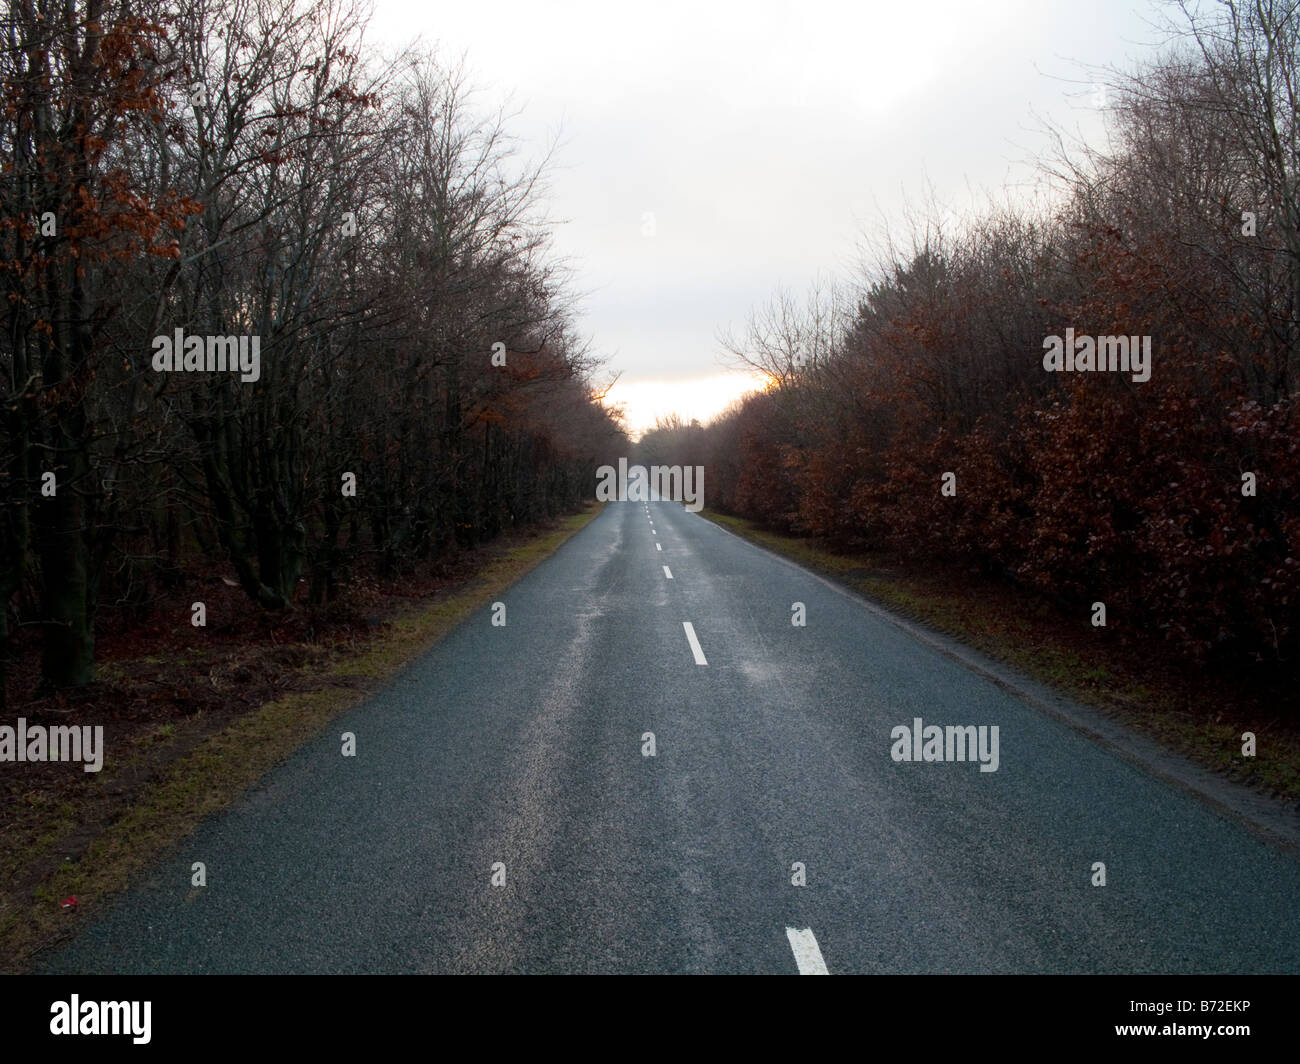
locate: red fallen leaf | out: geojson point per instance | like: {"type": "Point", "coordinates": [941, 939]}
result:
{"type": "Point", "coordinates": [70, 902]}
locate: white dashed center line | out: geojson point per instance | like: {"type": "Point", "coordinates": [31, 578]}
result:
{"type": "Point", "coordinates": [668, 572]}
{"type": "Point", "coordinates": [807, 954]}
{"type": "Point", "coordinates": [695, 643]}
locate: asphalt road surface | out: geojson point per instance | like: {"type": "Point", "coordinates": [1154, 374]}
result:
{"type": "Point", "coordinates": [523, 746]}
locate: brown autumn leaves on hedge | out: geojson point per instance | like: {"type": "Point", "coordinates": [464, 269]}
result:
{"type": "Point", "coordinates": [1086, 486]}
{"type": "Point", "coordinates": [251, 170]}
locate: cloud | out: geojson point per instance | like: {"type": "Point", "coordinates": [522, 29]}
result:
{"type": "Point", "coordinates": [764, 138]}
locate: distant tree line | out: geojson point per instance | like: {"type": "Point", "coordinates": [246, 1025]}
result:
{"type": "Point", "coordinates": [247, 168]}
{"type": "Point", "coordinates": [1174, 501]}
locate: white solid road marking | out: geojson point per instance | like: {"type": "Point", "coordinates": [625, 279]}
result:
{"type": "Point", "coordinates": [668, 572]}
{"type": "Point", "coordinates": [695, 643]}
{"type": "Point", "coordinates": [807, 954]}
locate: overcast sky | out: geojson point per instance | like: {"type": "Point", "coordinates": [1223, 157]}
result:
{"type": "Point", "coordinates": [764, 139]}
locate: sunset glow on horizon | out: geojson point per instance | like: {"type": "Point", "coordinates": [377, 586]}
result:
{"type": "Point", "coordinates": [700, 398]}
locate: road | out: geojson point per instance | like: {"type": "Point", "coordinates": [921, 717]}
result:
{"type": "Point", "coordinates": [523, 745]}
